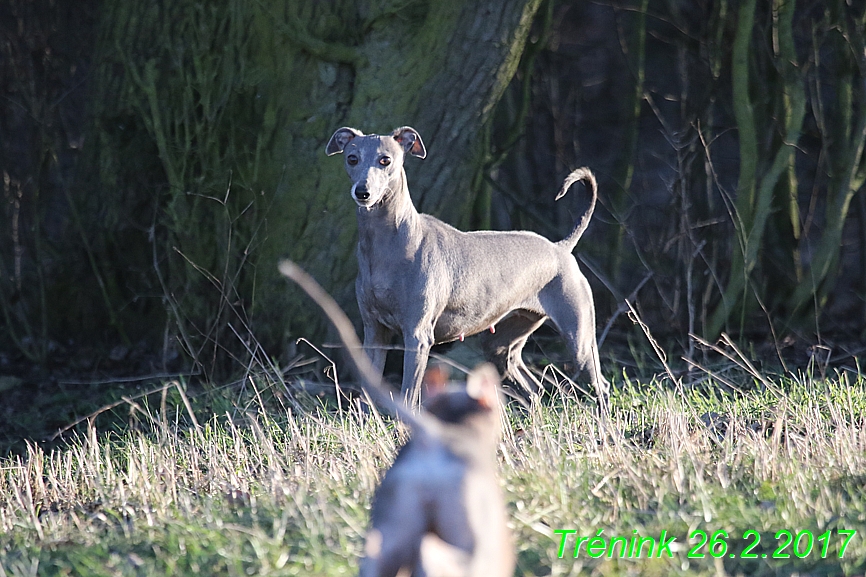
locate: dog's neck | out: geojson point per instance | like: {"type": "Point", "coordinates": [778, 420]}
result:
{"type": "Point", "coordinates": [394, 214]}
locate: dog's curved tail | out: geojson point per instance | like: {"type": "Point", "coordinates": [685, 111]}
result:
{"type": "Point", "coordinates": [587, 177]}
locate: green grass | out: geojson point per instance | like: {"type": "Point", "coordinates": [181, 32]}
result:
{"type": "Point", "coordinates": [264, 492]}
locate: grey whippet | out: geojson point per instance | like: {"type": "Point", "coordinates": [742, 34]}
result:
{"type": "Point", "coordinates": [434, 284]}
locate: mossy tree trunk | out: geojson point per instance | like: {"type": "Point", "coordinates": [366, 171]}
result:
{"type": "Point", "coordinates": [211, 119]}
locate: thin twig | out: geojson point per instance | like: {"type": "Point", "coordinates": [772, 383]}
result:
{"type": "Point", "coordinates": [187, 405]}
{"type": "Point", "coordinates": [656, 347]}
{"type": "Point", "coordinates": [712, 375]}
{"type": "Point", "coordinates": [623, 307]}
{"type": "Point", "coordinates": [110, 406]}
{"type": "Point", "coordinates": [333, 370]}
{"type": "Point", "coordinates": [738, 359]}
{"type": "Point", "coordinates": [151, 377]}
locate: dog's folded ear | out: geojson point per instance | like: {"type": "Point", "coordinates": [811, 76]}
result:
{"type": "Point", "coordinates": [410, 140]}
{"type": "Point", "coordinates": [435, 381]}
{"type": "Point", "coordinates": [482, 385]}
{"type": "Point", "coordinates": [340, 139]}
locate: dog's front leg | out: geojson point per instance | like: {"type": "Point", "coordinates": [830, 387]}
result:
{"type": "Point", "coordinates": [417, 345]}
{"type": "Point", "coordinates": [377, 337]}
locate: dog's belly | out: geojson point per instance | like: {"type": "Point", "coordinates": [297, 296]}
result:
{"type": "Point", "coordinates": [382, 302]}
{"type": "Point", "coordinates": [454, 324]}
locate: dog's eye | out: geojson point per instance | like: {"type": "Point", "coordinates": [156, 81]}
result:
{"type": "Point", "coordinates": [385, 161]}
{"type": "Point", "coordinates": [352, 159]}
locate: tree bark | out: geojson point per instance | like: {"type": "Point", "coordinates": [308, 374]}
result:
{"type": "Point", "coordinates": [235, 101]}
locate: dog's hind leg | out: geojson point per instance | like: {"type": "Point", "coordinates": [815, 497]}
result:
{"type": "Point", "coordinates": [568, 302]}
{"type": "Point", "coordinates": [504, 349]}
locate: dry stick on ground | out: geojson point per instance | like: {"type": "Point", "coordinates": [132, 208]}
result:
{"type": "Point", "coordinates": [435, 356]}
{"type": "Point", "coordinates": [712, 375]}
{"type": "Point", "coordinates": [129, 400]}
{"type": "Point", "coordinates": [738, 359]}
{"type": "Point", "coordinates": [332, 365]}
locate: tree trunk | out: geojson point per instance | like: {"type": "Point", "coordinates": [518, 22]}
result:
{"type": "Point", "coordinates": [236, 100]}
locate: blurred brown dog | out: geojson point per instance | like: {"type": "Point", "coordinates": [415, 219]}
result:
{"type": "Point", "coordinates": [439, 511]}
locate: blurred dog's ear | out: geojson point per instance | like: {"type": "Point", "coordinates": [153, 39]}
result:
{"type": "Point", "coordinates": [435, 381]}
{"type": "Point", "coordinates": [483, 385]}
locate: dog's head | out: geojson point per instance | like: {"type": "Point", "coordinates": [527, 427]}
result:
{"type": "Point", "coordinates": [374, 161]}
{"type": "Point", "coordinates": [475, 406]}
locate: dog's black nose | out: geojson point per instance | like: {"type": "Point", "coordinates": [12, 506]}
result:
{"type": "Point", "coordinates": [361, 192]}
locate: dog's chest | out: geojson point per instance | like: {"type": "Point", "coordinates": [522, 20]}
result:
{"type": "Point", "coordinates": [384, 307]}
{"type": "Point", "coordinates": [378, 296]}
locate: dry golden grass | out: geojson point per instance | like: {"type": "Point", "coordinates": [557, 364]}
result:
{"type": "Point", "coordinates": [269, 493]}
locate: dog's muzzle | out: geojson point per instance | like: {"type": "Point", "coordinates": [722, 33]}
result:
{"type": "Point", "coordinates": [361, 193]}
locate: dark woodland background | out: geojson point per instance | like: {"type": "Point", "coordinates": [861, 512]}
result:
{"type": "Point", "coordinates": [159, 157]}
